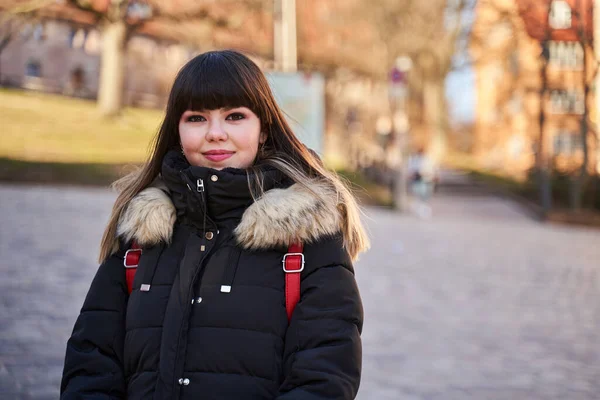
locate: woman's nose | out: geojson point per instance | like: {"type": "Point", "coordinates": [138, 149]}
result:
{"type": "Point", "coordinates": [216, 131]}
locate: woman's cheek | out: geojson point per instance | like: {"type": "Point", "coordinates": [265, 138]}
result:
{"type": "Point", "coordinates": [190, 139]}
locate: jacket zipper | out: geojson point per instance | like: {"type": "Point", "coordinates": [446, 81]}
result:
{"type": "Point", "coordinates": [186, 321]}
{"type": "Point", "coordinates": [199, 184]}
{"type": "Point", "coordinates": [199, 189]}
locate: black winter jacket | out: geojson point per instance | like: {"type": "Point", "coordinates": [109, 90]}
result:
{"type": "Point", "coordinates": [213, 323]}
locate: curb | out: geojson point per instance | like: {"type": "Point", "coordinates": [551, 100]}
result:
{"type": "Point", "coordinates": [564, 217]}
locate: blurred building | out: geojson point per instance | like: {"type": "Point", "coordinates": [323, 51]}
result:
{"type": "Point", "coordinates": [60, 53]}
{"type": "Point", "coordinates": [511, 40]}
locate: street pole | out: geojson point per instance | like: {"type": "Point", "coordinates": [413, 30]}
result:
{"type": "Point", "coordinates": [400, 127]}
{"type": "Point", "coordinates": [285, 36]}
{"type": "Point", "coordinates": [400, 130]}
{"type": "Point", "coordinates": [596, 6]}
{"type": "Point", "coordinates": [545, 140]}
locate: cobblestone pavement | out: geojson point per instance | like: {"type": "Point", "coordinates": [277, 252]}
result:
{"type": "Point", "coordinates": [478, 302]}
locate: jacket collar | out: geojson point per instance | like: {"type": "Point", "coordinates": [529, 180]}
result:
{"type": "Point", "coordinates": [283, 215]}
{"type": "Point", "coordinates": [210, 198]}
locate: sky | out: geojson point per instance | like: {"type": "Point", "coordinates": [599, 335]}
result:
{"type": "Point", "coordinates": [460, 84]}
{"type": "Point", "coordinates": [460, 92]}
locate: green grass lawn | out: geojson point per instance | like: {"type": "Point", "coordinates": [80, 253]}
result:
{"type": "Point", "coordinates": [49, 128]}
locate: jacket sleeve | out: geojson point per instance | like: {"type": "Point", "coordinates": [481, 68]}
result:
{"type": "Point", "coordinates": [94, 358]}
{"type": "Point", "coordinates": [323, 352]}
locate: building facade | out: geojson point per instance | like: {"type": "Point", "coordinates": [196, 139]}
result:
{"type": "Point", "coordinates": [63, 56]}
{"type": "Point", "coordinates": [512, 41]}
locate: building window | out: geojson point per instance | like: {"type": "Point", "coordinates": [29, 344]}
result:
{"type": "Point", "coordinates": [72, 33]}
{"type": "Point", "coordinates": [567, 102]}
{"type": "Point", "coordinates": [38, 33]}
{"type": "Point", "coordinates": [567, 143]}
{"type": "Point", "coordinates": [560, 15]}
{"type": "Point", "coordinates": [26, 31]}
{"type": "Point", "coordinates": [93, 42]}
{"type": "Point", "coordinates": [33, 69]}
{"type": "Point", "coordinates": [568, 55]}
{"type": "Point", "coordinates": [139, 10]}
{"type": "Point", "coordinates": [77, 38]}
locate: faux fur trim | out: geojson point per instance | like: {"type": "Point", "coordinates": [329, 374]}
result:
{"type": "Point", "coordinates": [148, 219]}
{"type": "Point", "coordinates": [284, 216]}
{"type": "Point", "coordinates": [280, 217]}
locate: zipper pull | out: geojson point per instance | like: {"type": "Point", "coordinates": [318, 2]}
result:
{"type": "Point", "coordinates": [200, 185]}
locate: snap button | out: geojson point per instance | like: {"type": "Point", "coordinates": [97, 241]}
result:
{"type": "Point", "coordinates": [199, 300]}
{"type": "Point", "coordinates": [209, 235]}
{"type": "Point", "coordinates": [184, 382]}
{"type": "Point", "coordinates": [214, 178]}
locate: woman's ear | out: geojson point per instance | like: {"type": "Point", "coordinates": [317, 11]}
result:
{"type": "Point", "coordinates": [262, 138]}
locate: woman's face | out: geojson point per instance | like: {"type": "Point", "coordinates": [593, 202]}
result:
{"type": "Point", "coordinates": [220, 138]}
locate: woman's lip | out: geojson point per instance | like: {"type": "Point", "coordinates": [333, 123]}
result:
{"type": "Point", "coordinates": [219, 151]}
{"type": "Point", "coordinates": [217, 156]}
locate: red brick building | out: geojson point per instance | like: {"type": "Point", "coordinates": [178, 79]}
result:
{"type": "Point", "coordinates": [509, 37]}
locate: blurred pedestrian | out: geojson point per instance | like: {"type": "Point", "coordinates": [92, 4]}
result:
{"type": "Point", "coordinates": [423, 176]}
{"type": "Point", "coordinates": [226, 193]}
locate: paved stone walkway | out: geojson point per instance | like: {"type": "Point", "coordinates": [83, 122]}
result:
{"type": "Point", "coordinates": [479, 302]}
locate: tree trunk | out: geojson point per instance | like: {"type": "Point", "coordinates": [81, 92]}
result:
{"type": "Point", "coordinates": [435, 111]}
{"type": "Point", "coordinates": [596, 58]}
{"type": "Point", "coordinates": [3, 44]}
{"type": "Point", "coordinates": [112, 70]}
{"type": "Point", "coordinates": [579, 183]}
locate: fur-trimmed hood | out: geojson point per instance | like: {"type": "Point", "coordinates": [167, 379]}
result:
{"type": "Point", "coordinates": [280, 217]}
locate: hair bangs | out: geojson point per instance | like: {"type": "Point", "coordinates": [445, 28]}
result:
{"type": "Point", "coordinates": [213, 85]}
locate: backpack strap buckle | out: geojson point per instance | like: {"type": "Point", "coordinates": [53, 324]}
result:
{"type": "Point", "coordinates": [132, 258]}
{"type": "Point", "coordinates": [288, 264]}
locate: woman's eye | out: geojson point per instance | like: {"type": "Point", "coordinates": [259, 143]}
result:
{"type": "Point", "coordinates": [196, 118]}
{"type": "Point", "coordinates": [235, 116]}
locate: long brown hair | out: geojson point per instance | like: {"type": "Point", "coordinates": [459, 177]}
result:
{"type": "Point", "coordinates": [226, 78]}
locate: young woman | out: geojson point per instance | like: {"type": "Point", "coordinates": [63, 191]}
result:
{"type": "Point", "coordinates": [228, 188]}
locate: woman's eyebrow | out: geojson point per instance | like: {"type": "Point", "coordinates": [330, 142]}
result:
{"type": "Point", "coordinates": [229, 108]}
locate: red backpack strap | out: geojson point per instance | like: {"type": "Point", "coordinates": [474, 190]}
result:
{"type": "Point", "coordinates": [131, 261]}
{"type": "Point", "coordinates": [293, 265]}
